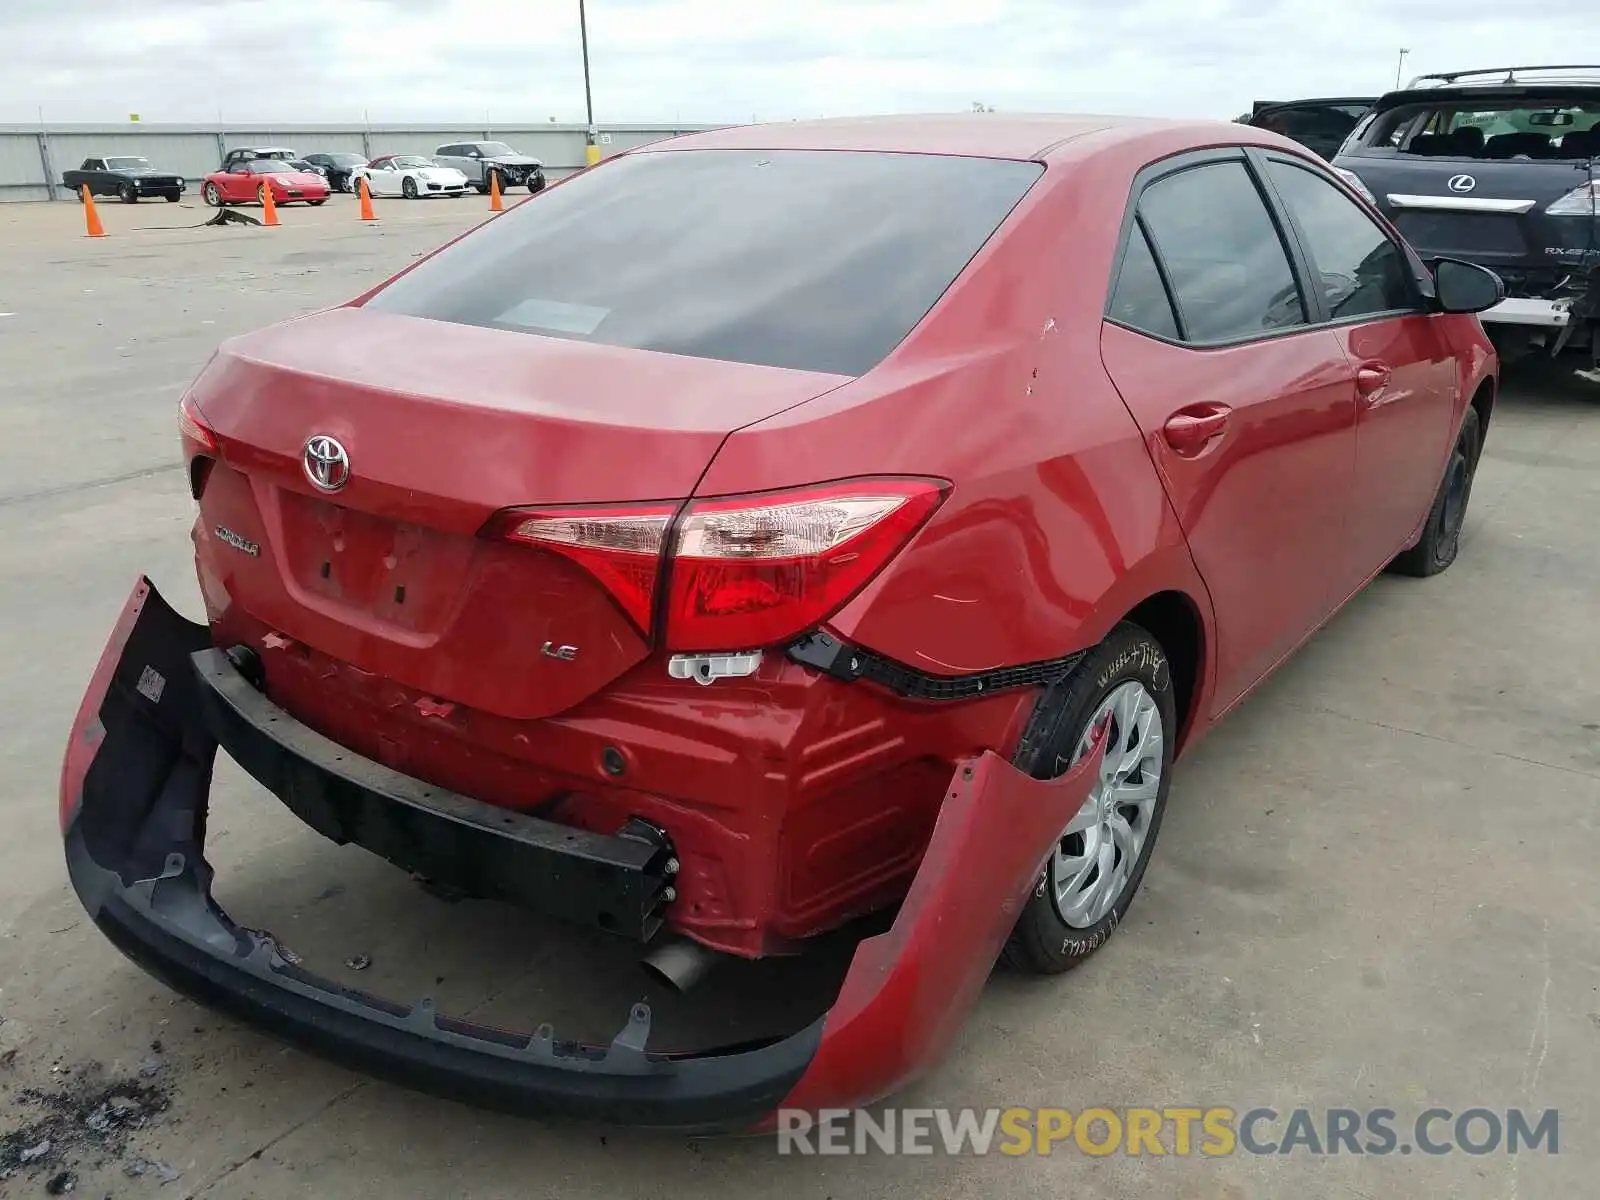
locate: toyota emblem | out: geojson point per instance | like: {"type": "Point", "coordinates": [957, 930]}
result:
{"type": "Point", "coordinates": [326, 463]}
{"type": "Point", "coordinates": [1461, 183]}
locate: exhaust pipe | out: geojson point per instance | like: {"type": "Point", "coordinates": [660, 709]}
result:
{"type": "Point", "coordinates": [680, 963]}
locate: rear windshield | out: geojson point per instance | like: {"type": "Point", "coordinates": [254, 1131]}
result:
{"type": "Point", "coordinates": [813, 260]}
{"type": "Point", "coordinates": [1484, 129]}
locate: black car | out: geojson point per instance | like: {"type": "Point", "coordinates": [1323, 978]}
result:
{"type": "Point", "coordinates": [337, 167]}
{"type": "Point", "coordinates": [241, 154]}
{"type": "Point", "coordinates": [125, 175]}
{"type": "Point", "coordinates": [1497, 167]}
{"type": "Point", "coordinates": [1320, 125]}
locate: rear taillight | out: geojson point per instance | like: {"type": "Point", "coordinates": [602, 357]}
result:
{"type": "Point", "coordinates": [754, 571]}
{"type": "Point", "coordinates": [743, 571]}
{"type": "Point", "coordinates": [1581, 201]}
{"type": "Point", "coordinates": [621, 548]}
{"type": "Point", "coordinates": [1356, 184]}
{"type": "Point", "coordinates": [197, 436]}
{"type": "Point", "coordinates": [199, 446]}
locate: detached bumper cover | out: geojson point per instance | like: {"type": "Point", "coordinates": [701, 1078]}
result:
{"type": "Point", "coordinates": [134, 789]}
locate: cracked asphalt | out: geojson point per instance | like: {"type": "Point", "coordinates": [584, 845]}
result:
{"type": "Point", "coordinates": [1376, 886]}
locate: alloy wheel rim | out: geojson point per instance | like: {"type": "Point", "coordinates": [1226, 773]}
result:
{"type": "Point", "coordinates": [1095, 857]}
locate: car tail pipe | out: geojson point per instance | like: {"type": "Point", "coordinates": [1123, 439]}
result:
{"type": "Point", "coordinates": [681, 963]}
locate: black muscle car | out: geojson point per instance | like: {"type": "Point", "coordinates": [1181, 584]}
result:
{"type": "Point", "coordinates": [125, 175]}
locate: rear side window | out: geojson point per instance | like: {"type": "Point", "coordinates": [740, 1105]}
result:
{"type": "Point", "coordinates": [813, 260]}
{"type": "Point", "coordinates": [1140, 300]}
{"type": "Point", "coordinates": [1223, 254]}
{"type": "Point", "coordinates": [1359, 269]}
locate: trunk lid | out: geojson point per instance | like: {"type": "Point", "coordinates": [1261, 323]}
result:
{"type": "Point", "coordinates": [443, 426]}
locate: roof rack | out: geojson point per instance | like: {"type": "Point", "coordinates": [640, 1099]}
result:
{"type": "Point", "coordinates": [1492, 76]}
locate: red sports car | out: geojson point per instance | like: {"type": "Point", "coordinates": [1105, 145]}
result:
{"type": "Point", "coordinates": [242, 182]}
{"type": "Point", "coordinates": [768, 527]}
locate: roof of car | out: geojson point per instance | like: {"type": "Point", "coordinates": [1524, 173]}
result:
{"type": "Point", "coordinates": [977, 135]}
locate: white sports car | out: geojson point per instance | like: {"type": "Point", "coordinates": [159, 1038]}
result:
{"type": "Point", "coordinates": [409, 175]}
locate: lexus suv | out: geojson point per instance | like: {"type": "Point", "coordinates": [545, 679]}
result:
{"type": "Point", "coordinates": [1497, 167]}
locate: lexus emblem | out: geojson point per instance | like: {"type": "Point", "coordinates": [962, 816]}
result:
{"type": "Point", "coordinates": [1461, 183]}
{"type": "Point", "coordinates": [326, 463]}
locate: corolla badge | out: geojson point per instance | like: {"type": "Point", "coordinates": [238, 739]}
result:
{"type": "Point", "coordinates": [327, 465]}
{"type": "Point", "coordinates": [238, 541]}
{"type": "Point", "coordinates": [1461, 183]}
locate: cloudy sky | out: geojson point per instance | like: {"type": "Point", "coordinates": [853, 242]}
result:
{"type": "Point", "coordinates": [734, 60]}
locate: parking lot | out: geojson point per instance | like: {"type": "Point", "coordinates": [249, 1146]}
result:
{"type": "Point", "coordinates": [1376, 886]}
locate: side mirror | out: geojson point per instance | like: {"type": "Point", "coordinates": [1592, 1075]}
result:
{"type": "Point", "coordinates": [1463, 287]}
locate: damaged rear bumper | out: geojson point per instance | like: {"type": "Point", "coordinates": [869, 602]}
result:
{"type": "Point", "coordinates": [134, 789]}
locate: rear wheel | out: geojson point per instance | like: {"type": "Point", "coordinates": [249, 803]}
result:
{"type": "Point", "coordinates": [1436, 549]}
{"type": "Point", "coordinates": [1123, 687]}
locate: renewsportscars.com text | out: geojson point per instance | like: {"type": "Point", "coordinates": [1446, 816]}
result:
{"type": "Point", "coordinates": [1177, 1131]}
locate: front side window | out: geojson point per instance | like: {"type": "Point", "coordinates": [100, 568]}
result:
{"type": "Point", "coordinates": [1223, 254]}
{"type": "Point", "coordinates": [1359, 270]}
{"type": "Point", "coordinates": [812, 260]}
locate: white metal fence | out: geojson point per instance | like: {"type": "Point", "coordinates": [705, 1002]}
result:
{"type": "Point", "coordinates": [32, 158]}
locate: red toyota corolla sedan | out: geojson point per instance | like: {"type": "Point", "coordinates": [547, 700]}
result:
{"type": "Point", "coordinates": [767, 527]}
{"type": "Point", "coordinates": [242, 183]}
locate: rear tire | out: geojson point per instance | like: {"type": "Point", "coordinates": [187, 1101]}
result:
{"type": "Point", "coordinates": [1126, 682]}
{"type": "Point", "coordinates": [1436, 549]}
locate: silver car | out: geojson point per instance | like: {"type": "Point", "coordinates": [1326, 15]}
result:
{"type": "Point", "coordinates": [477, 160]}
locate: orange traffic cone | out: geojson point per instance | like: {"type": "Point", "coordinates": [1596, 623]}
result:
{"type": "Point", "coordinates": [269, 208]}
{"type": "Point", "coordinates": [90, 215]}
{"type": "Point", "coordinates": [494, 193]}
{"type": "Point", "coordinates": [366, 201]}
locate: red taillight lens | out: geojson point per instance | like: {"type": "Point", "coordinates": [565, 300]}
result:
{"type": "Point", "coordinates": [197, 437]}
{"type": "Point", "coordinates": [744, 571]}
{"type": "Point", "coordinates": [621, 548]}
{"type": "Point", "coordinates": [756, 570]}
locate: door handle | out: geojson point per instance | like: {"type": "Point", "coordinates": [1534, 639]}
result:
{"type": "Point", "coordinates": [1189, 430]}
{"type": "Point", "coordinates": [1372, 378]}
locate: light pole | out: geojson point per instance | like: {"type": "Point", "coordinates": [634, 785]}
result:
{"type": "Point", "coordinates": [591, 143]}
{"type": "Point", "coordinates": [1400, 66]}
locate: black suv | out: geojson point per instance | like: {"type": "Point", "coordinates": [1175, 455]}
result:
{"type": "Point", "coordinates": [1497, 167]}
{"type": "Point", "coordinates": [1320, 125]}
